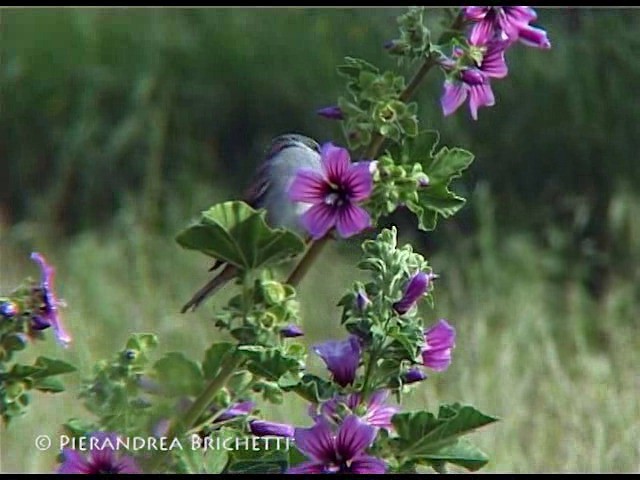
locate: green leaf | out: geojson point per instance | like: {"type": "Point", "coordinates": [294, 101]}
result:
{"type": "Point", "coordinates": [421, 433]}
{"type": "Point", "coordinates": [49, 367]}
{"type": "Point", "coordinates": [462, 453]}
{"type": "Point", "coordinates": [52, 385]}
{"type": "Point", "coordinates": [179, 375]}
{"type": "Point", "coordinates": [214, 357]}
{"type": "Point", "coordinates": [270, 363]}
{"type": "Point", "coordinates": [448, 164]}
{"type": "Point", "coordinates": [313, 388]}
{"type": "Point", "coordinates": [260, 455]}
{"type": "Point", "coordinates": [237, 234]}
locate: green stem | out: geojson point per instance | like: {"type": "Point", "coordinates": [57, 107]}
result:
{"type": "Point", "coordinates": [305, 262]}
{"type": "Point", "coordinates": [201, 404]}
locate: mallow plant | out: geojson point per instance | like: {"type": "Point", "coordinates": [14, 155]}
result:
{"type": "Point", "coordinates": [204, 412]}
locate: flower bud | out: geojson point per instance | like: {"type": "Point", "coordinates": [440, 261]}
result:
{"type": "Point", "coordinates": [9, 309]}
{"type": "Point", "coordinates": [291, 331]}
{"type": "Point", "coordinates": [263, 428]}
{"type": "Point", "coordinates": [333, 112]}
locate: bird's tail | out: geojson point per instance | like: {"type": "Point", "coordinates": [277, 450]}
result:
{"type": "Point", "coordinates": [227, 273]}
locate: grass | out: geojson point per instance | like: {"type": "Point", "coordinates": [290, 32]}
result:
{"type": "Point", "coordinates": [559, 369]}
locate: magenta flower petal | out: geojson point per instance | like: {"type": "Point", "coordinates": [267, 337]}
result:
{"type": "Point", "coordinates": [236, 410]}
{"type": "Point", "coordinates": [318, 220]}
{"type": "Point", "coordinates": [360, 181]}
{"type": "Point", "coordinates": [316, 442]}
{"type": "Point", "coordinates": [49, 312]}
{"type": "Point", "coordinates": [476, 13]}
{"type": "Point", "coordinates": [379, 414]}
{"type": "Point", "coordinates": [416, 287]}
{"type": "Point", "coordinates": [102, 458]}
{"type": "Point", "coordinates": [534, 37]}
{"type": "Point", "coordinates": [482, 32]}
{"type": "Point", "coordinates": [439, 342]}
{"type": "Point", "coordinates": [73, 462]}
{"type": "Point", "coordinates": [354, 437]}
{"type": "Point", "coordinates": [308, 467]}
{"type": "Point", "coordinates": [333, 112]}
{"type": "Point", "coordinates": [480, 96]}
{"type": "Point", "coordinates": [366, 464]}
{"type": "Point", "coordinates": [336, 161]}
{"type": "Point", "coordinates": [493, 62]}
{"type": "Point", "coordinates": [262, 428]}
{"type": "Point", "coordinates": [307, 186]}
{"type": "Point", "coordinates": [291, 331]}
{"type": "Point", "coordinates": [342, 358]}
{"type": "Point", "coordinates": [352, 220]}
{"type": "Point", "coordinates": [454, 95]}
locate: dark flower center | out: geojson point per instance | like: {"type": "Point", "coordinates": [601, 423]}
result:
{"type": "Point", "coordinates": [337, 196]}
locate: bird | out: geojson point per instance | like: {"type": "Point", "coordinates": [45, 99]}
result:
{"type": "Point", "coordinates": [269, 189]}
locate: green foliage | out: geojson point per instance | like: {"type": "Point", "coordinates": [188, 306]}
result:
{"type": "Point", "coordinates": [423, 438]}
{"type": "Point", "coordinates": [239, 235]}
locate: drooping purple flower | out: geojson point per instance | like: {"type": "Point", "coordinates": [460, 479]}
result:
{"type": "Point", "coordinates": [342, 451]}
{"type": "Point", "coordinates": [414, 375]}
{"type": "Point", "coordinates": [439, 340]}
{"type": "Point", "coordinates": [291, 331]}
{"type": "Point", "coordinates": [512, 21]}
{"type": "Point", "coordinates": [47, 315]}
{"type": "Point", "coordinates": [362, 301]}
{"type": "Point", "coordinates": [333, 112]}
{"type": "Point", "coordinates": [8, 309]}
{"type": "Point", "coordinates": [374, 412]}
{"type": "Point", "coordinates": [103, 457]}
{"type": "Point", "coordinates": [263, 428]}
{"type": "Point", "coordinates": [341, 357]}
{"type": "Point", "coordinates": [415, 289]}
{"type": "Point", "coordinates": [474, 82]}
{"type": "Point", "coordinates": [236, 410]}
{"type": "Point", "coordinates": [334, 194]}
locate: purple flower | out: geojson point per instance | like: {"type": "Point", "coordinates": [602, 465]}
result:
{"type": "Point", "coordinates": [415, 289]}
{"type": "Point", "coordinates": [262, 428]}
{"type": "Point", "coordinates": [333, 112]}
{"type": "Point", "coordinates": [474, 82]}
{"type": "Point", "coordinates": [48, 316]}
{"type": "Point", "coordinates": [342, 358]}
{"type": "Point", "coordinates": [362, 301]}
{"type": "Point", "coordinates": [334, 194]}
{"type": "Point", "coordinates": [8, 309]}
{"type": "Point", "coordinates": [439, 340]}
{"type": "Point", "coordinates": [291, 331]}
{"type": "Point", "coordinates": [337, 452]}
{"type": "Point", "coordinates": [103, 457]}
{"type": "Point", "coordinates": [375, 412]}
{"type": "Point", "coordinates": [236, 410]}
{"type": "Point", "coordinates": [512, 21]}
{"type": "Point", "coordinates": [414, 375]}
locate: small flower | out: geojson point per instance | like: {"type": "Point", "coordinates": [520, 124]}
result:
{"type": "Point", "coordinates": [9, 309]}
{"type": "Point", "coordinates": [512, 21]}
{"type": "Point", "coordinates": [333, 112]}
{"type": "Point", "coordinates": [334, 193]}
{"type": "Point", "coordinates": [342, 358]}
{"type": "Point", "coordinates": [262, 428]}
{"type": "Point", "coordinates": [474, 82]}
{"type": "Point", "coordinates": [48, 316]}
{"type": "Point", "coordinates": [415, 289]}
{"type": "Point", "coordinates": [362, 301]}
{"type": "Point", "coordinates": [414, 375]}
{"type": "Point", "coordinates": [337, 452]}
{"type": "Point", "coordinates": [236, 410]}
{"type": "Point", "coordinates": [103, 457]}
{"type": "Point", "coordinates": [374, 412]}
{"type": "Point", "coordinates": [291, 331]}
{"type": "Point", "coordinates": [439, 340]}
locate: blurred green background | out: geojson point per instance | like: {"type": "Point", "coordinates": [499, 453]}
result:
{"type": "Point", "coordinates": [118, 126]}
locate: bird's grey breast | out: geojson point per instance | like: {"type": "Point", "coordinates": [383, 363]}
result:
{"type": "Point", "coordinates": [281, 211]}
